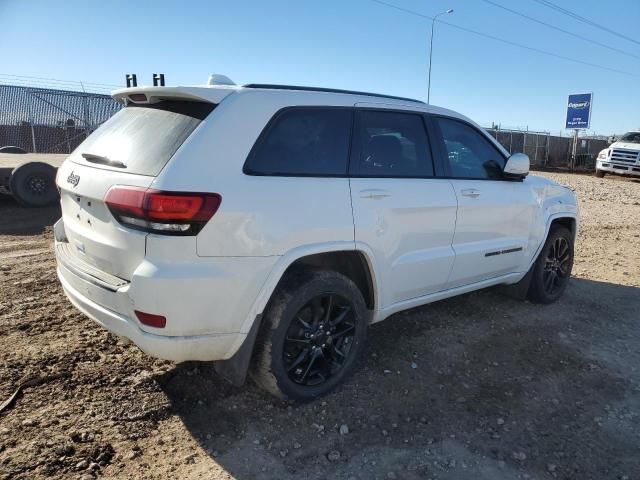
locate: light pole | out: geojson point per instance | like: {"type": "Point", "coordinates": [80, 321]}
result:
{"type": "Point", "coordinates": [431, 51]}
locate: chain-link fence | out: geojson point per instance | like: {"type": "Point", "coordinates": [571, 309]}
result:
{"type": "Point", "coordinates": [550, 151]}
{"type": "Point", "coordinates": [47, 120]}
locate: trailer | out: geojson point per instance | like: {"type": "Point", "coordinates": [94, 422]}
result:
{"type": "Point", "coordinates": [30, 178]}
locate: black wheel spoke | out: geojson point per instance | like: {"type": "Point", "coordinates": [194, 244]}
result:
{"type": "Point", "coordinates": [564, 250]}
{"type": "Point", "coordinates": [327, 313]}
{"type": "Point", "coordinates": [314, 355]}
{"type": "Point", "coordinates": [316, 310]}
{"type": "Point", "coordinates": [299, 359]}
{"type": "Point", "coordinates": [548, 281]}
{"type": "Point", "coordinates": [563, 268]}
{"type": "Point", "coordinates": [340, 318]}
{"type": "Point", "coordinates": [299, 340]}
{"type": "Point", "coordinates": [342, 332]}
{"type": "Point", "coordinates": [304, 324]}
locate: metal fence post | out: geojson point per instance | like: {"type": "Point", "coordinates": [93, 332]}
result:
{"type": "Point", "coordinates": [574, 150]}
{"type": "Point", "coordinates": [33, 132]}
{"type": "Point", "coordinates": [546, 154]}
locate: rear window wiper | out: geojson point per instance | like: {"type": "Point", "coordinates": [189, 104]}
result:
{"type": "Point", "coordinates": [93, 158]}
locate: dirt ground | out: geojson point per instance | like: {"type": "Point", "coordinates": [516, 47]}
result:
{"type": "Point", "coordinates": [476, 387]}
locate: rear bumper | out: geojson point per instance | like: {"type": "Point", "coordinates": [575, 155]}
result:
{"type": "Point", "coordinates": [208, 302]}
{"type": "Point", "coordinates": [177, 349]}
{"type": "Point", "coordinates": [619, 168]}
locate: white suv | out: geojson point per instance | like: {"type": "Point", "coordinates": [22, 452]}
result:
{"type": "Point", "coordinates": [265, 227]}
{"type": "Point", "coordinates": [622, 157]}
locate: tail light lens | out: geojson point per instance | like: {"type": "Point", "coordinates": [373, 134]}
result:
{"type": "Point", "coordinates": [171, 213]}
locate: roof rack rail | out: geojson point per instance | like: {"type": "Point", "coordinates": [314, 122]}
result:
{"type": "Point", "coordinates": [326, 90]}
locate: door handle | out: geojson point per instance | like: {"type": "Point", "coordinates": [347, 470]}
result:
{"type": "Point", "coordinates": [374, 193]}
{"type": "Point", "coordinates": [470, 192]}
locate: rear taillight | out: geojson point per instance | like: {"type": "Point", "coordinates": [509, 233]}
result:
{"type": "Point", "coordinates": [173, 213]}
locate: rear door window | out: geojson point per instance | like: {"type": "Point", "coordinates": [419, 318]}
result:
{"type": "Point", "coordinates": [142, 138]}
{"type": "Point", "coordinates": [303, 142]}
{"type": "Point", "coordinates": [391, 144]}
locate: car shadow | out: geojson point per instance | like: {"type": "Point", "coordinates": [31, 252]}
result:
{"type": "Point", "coordinates": [18, 220]}
{"type": "Point", "coordinates": [477, 386]}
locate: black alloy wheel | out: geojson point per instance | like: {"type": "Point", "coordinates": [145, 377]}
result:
{"type": "Point", "coordinates": [552, 269]}
{"type": "Point", "coordinates": [312, 335]}
{"type": "Point", "coordinates": [319, 340]}
{"type": "Point", "coordinates": [557, 265]}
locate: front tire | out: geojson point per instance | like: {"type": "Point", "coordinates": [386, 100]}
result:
{"type": "Point", "coordinates": [600, 173]}
{"type": "Point", "coordinates": [552, 268]}
{"type": "Point", "coordinates": [313, 333]}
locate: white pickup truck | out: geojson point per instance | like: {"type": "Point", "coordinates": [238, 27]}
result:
{"type": "Point", "coordinates": [622, 157]}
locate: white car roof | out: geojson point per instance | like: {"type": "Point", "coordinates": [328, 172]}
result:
{"type": "Point", "coordinates": [215, 94]}
{"type": "Point", "coordinates": [296, 94]}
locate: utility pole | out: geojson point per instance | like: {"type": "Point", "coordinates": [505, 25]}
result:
{"type": "Point", "coordinates": [431, 51]}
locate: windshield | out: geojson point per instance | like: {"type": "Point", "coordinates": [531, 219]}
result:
{"type": "Point", "coordinates": [141, 139]}
{"type": "Point", "coordinates": [631, 137]}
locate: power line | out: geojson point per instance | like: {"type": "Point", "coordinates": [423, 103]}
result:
{"type": "Point", "coordinates": [582, 19]}
{"type": "Point", "coordinates": [508, 42]}
{"type": "Point", "coordinates": [581, 37]}
{"type": "Point", "coordinates": [35, 84]}
{"type": "Point", "coordinates": [69, 82]}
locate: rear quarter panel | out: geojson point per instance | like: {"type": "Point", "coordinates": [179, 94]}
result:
{"type": "Point", "coordinates": [259, 215]}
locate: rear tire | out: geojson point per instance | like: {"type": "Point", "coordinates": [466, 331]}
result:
{"type": "Point", "coordinates": [314, 331]}
{"type": "Point", "coordinates": [552, 269]}
{"type": "Point", "coordinates": [33, 184]}
{"type": "Point", "coordinates": [600, 173]}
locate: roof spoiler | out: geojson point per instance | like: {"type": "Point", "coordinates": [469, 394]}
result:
{"type": "Point", "coordinates": [147, 95]}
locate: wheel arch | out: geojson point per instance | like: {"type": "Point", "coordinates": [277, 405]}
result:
{"type": "Point", "coordinates": [355, 263]}
{"type": "Point", "coordinates": [351, 263]}
{"type": "Point", "coordinates": [569, 222]}
{"type": "Point", "coordinates": [566, 219]}
{"type": "Point", "coordinates": [340, 256]}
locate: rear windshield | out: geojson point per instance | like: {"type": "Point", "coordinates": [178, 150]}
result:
{"type": "Point", "coordinates": [141, 139]}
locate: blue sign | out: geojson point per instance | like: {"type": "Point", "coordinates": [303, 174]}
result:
{"type": "Point", "coordinates": [579, 110]}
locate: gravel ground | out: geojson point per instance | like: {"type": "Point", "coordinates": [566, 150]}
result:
{"type": "Point", "coordinates": [476, 387]}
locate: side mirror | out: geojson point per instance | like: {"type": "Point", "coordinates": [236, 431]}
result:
{"type": "Point", "coordinates": [517, 165]}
